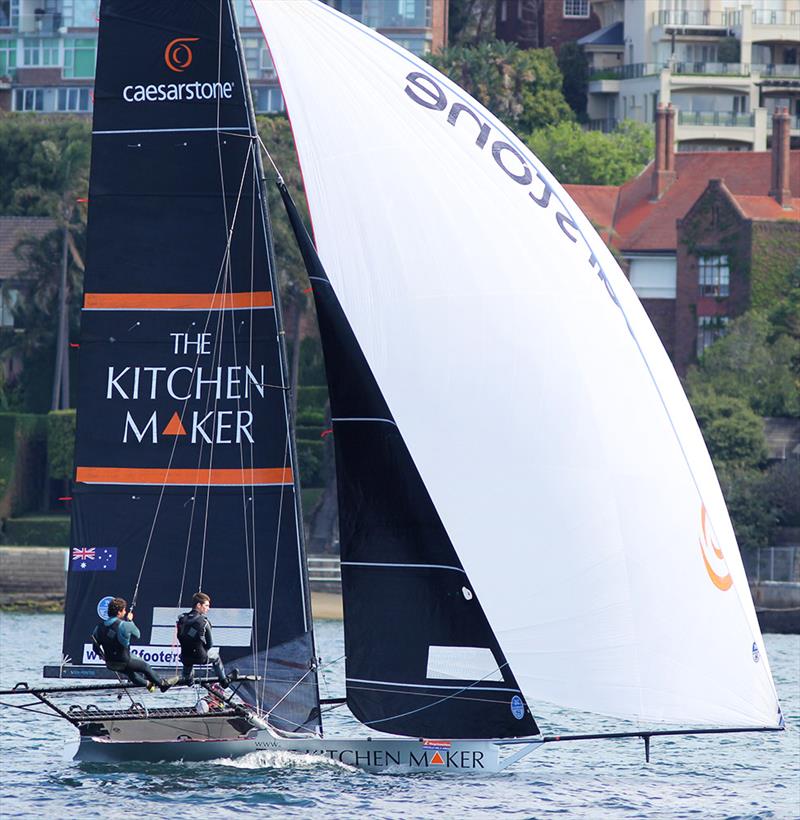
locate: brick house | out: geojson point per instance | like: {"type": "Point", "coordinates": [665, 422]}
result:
{"type": "Point", "coordinates": [544, 23]}
{"type": "Point", "coordinates": [703, 235]}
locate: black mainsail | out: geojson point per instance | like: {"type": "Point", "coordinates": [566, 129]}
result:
{"type": "Point", "coordinates": [422, 659]}
{"type": "Point", "coordinates": [185, 471]}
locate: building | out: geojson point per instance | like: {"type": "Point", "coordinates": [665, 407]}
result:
{"type": "Point", "coordinates": [48, 48]}
{"type": "Point", "coordinates": [544, 23]}
{"type": "Point", "coordinates": [724, 65]}
{"type": "Point", "coordinates": [703, 235]}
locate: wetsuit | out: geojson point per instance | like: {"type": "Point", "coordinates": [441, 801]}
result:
{"type": "Point", "coordinates": [194, 634]}
{"type": "Point", "coordinates": [114, 636]}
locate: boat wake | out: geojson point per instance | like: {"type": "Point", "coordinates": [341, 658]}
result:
{"type": "Point", "coordinates": [282, 760]}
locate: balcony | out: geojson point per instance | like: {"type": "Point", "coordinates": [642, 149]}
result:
{"type": "Point", "coordinates": [626, 72]}
{"type": "Point", "coordinates": [794, 123]}
{"type": "Point", "coordinates": [40, 22]}
{"type": "Point", "coordinates": [605, 125]}
{"type": "Point", "coordinates": [671, 18]}
{"type": "Point", "coordinates": [711, 69]}
{"type": "Point", "coordinates": [726, 119]}
{"type": "Point", "coordinates": [788, 71]}
{"type": "Point", "coordinates": [776, 18]}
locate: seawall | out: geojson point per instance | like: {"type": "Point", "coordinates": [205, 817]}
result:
{"type": "Point", "coordinates": [32, 577]}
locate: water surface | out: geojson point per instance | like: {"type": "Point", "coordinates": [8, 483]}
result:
{"type": "Point", "coordinates": [736, 776]}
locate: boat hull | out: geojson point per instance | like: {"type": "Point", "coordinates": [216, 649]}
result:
{"type": "Point", "coordinates": [373, 755]}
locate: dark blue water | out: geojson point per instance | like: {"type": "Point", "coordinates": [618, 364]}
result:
{"type": "Point", "coordinates": [747, 776]}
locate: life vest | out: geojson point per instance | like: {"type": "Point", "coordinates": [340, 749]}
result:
{"type": "Point", "coordinates": [192, 636]}
{"type": "Point", "coordinates": [108, 638]}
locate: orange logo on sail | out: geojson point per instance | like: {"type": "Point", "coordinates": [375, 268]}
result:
{"type": "Point", "coordinates": [177, 55]}
{"type": "Point", "coordinates": [712, 554]}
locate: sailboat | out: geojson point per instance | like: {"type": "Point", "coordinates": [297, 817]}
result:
{"type": "Point", "coordinates": [528, 513]}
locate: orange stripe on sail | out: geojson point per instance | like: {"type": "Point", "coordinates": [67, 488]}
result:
{"type": "Point", "coordinates": [160, 475]}
{"type": "Point", "coordinates": [177, 301]}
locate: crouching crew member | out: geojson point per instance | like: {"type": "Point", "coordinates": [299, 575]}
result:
{"type": "Point", "coordinates": [113, 639]}
{"type": "Point", "coordinates": [194, 634]}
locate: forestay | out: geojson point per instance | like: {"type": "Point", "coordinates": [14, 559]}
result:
{"type": "Point", "coordinates": [534, 396]}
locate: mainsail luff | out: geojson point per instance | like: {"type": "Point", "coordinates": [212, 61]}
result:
{"type": "Point", "coordinates": [185, 472]}
{"type": "Point", "coordinates": [525, 337]}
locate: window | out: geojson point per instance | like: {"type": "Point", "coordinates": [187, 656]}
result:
{"type": "Point", "coordinates": [39, 51]}
{"type": "Point", "coordinates": [503, 11]}
{"type": "Point", "coordinates": [29, 99]}
{"type": "Point", "coordinates": [709, 329]}
{"type": "Point", "coordinates": [79, 57]}
{"type": "Point", "coordinates": [8, 57]}
{"type": "Point", "coordinates": [268, 100]}
{"type": "Point", "coordinates": [73, 99]}
{"type": "Point", "coordinates": [5, 13]}
{"type": "Point", "coordinates": [8, 301]}
{"type": "Point", "coordinates": [576, 8]}
{"type": "Point", "coordinates": [80, 13]}
{"type": "Point", "coordinates": [715, 278]}
{"type": "Point", "coordinates": [245, 14]}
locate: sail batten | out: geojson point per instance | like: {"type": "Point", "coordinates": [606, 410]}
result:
{"type": "Point", "coordinates": [506, 342]}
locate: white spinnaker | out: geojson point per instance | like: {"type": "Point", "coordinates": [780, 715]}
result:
{"type": "Point", "coordinates": [545, 419]}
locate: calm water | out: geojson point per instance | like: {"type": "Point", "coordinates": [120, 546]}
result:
{"type": "Point", "coordinates": [749, 776]}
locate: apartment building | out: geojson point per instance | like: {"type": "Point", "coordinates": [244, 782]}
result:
{"type": "Point", "coordinates": [725, 65]}
{"type": "Point", "coordinates": [48, 48]}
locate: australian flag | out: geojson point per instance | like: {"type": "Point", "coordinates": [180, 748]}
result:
{"type": "Point", "coordinates": [93, 559]}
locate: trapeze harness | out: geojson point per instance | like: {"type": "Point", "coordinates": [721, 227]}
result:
{"type": "Point", "coordinates": [192, 634]}
{"type": "Point", "coordinates": [115, 654]}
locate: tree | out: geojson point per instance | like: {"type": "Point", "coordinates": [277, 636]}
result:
{"type": "Point", "coordinates": [744, 364]}
{"type": "Point", "coordinates": [733, 433]}
{"type": "Point", "coordinates": [520, 87]}
{"type": "Point", "coordinates": [583, 157]}
{"type": "Point", "coordinates": [575, 68]}
{"type": "Point", "coordinates": [470, 21]}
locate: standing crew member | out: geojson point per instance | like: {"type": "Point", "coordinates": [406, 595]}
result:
{"type": "Point", "coordinates": [113, 637]}
{"type": "Point", "coordinates": [194, 634]}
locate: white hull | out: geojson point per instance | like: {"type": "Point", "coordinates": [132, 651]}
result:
{"type": "Point", "coordinates": [373, 755]}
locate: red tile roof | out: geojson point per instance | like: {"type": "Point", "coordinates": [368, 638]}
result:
{"type": "Point", "coordinates": [765, 207]}
{"type": "Point", "coordinates": [637, 224]}
{"type": "Point", "coordinates": [12, 230]}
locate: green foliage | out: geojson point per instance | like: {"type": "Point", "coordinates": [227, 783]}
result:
{"type": "Point", "coordinates": [782, 484]}
{"type": "Point", "coordinates": [312, 398]}
{"type": "Point", "coordinates": [583, 157]}
{"type": "Point", "coordinates": [38, 531]}
{"type": "Point", "coordinates": [575, 68]}
{"type": "Point", "coordinates": [728, 50]}
{"type": "Point", "coordinates": [470, 21]}
{"type": "Point", "coordinates": [23, 460]}
{"type": "Point", "coordinates": [312, 363]}
{"type": "Point", "coordinates": [311, 455]}
{"type": "Point", "coordinates": [40, 158]}
{"type": "Point", "coordinates": [60, 443]}
{"type": "Point", "coordinates": [752, 514]}
{"type": "Point", "coordinates": [744, 364]}
{"type": "Point", "coordinates": [733, 433]}
{"type": "Point", "coordinates": [773, 262]}
{"type": "Point", "coordinates": [520, 87]}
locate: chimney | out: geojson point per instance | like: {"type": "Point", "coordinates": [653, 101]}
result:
{"type": "Point", "coordinates": [664, 168]}
{"type": "Point", "coordinates": [780, 158]}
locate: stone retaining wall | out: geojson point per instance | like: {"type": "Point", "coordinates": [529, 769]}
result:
{"type": "Point", "coordinates": [32, 574]}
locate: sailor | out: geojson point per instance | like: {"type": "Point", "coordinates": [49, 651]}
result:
{"type": "Point", "coordinates": [194, 634]}
{"type": "Point", "coordinates": [113, 639]}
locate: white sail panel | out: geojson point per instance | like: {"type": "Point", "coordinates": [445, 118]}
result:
{"type": "Point", "coordinates": [528, 383]}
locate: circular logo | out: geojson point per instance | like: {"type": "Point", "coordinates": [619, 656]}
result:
{"type": "Point", "coordinates": [102, 606]}
{"type": "Point", "coordinates": [177, 55]}
{"type": "Point", "coordinates": [467, 593]}
{"type": "Point", "coordinates": [517, 707]}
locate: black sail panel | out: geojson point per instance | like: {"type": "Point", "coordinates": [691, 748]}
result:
{"type": "Point", "coordinates": [413, 624]}
{"type": "Point", "coordinates": [185, 474]}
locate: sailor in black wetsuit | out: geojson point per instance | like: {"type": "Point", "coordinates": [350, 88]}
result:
{"type": "Point", "coordinates": [113, 637]}
{"type": "Point", "coordinates": [194, 634]}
